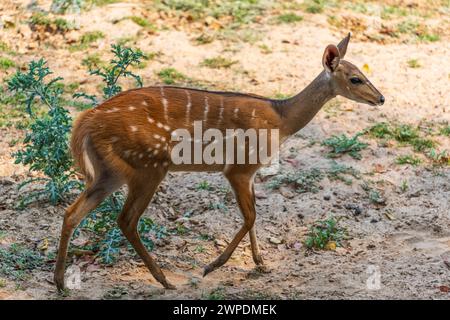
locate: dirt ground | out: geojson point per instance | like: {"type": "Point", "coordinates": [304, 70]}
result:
{"type": "Point", "coordinates": [405, 239]}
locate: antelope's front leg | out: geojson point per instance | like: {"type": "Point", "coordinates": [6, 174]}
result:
{"type": "Point", "coordinates": [242, 184]}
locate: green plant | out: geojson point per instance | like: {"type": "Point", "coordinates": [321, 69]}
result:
{"type": "Point", "coordinates": [63, 6]}
{"type": "Point", "coordinates": [302, 181]}
{"type": "Point", "coordinates": [404, 186]}
{"type": "Point", "coordinates": [445, 130]}
{"type": "Point", "coordinates": [144, 23]}
{"type": "Point", "coordinates": [414, 63]}
{"type": "Point", "coordinates": [123, 59]}
{"type": "Point", "coordinates": [338, 171]}
{"type": "Point", "coordinates": [408, 159]}
{"type": "Point", "coordinates": [6, 63]}
{"type": "Point", "coordinates": [342, 144]}
{"type": "Point", "coordinates": [17, 261]}
{"type": "Point", "coordinates": [171, 75]}
{"type": "Point", "coordinates": [46, 142]}
{"type": "Point", "coordinates": [373, 195]}
{"type": "Point", "coordinates": [217, 63]}
{"type": "Point", "coordinates": [204, 185]}
{"type": "Point", "coordinates": [86, 39]}
{"type": "Point", "coordinates": [325, 234]}
{"type": "Point", "coordinates": [289, 18]}
{"type": "Point", "coordinates": [315, 6]}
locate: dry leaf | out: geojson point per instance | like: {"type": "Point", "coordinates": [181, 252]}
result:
{"type": "Point", "coordinates": [366, 68]}
{"type": "Point", "coordinates": [389, 215]}
{"type": "Point", "coordinates": [331, 245]}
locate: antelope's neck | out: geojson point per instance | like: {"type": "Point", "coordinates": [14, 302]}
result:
{"type": "Point", "coordinates": [298, 111]}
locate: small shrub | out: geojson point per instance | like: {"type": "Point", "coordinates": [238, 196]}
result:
{"type": "Point", "coordinates": [339, 171]}
{"type": "Point", "coordinates": [343, 144]}
{"type": "Point", "coordinates": [46, 143]}
{"type": "Point", "coordinates": [302, 181]}
{"type": "Point", "coordinates": [325, 234]}
{"type": "Point", "coordinates": [17, 261]}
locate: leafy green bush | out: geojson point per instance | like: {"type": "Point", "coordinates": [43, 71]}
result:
{"type": "Point", "coordinates": [17, 261]}
{"type": "Point", "coordinates": [302, 181]}
{"type": "Point", "coordinates": [46, 142]}
{"type": "Point", "coordinates": [325, 234]}
{"type": "Point", "coordinates": [343, 144]}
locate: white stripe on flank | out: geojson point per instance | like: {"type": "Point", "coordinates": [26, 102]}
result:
{"type": "Point", "coordinates": [164, 102]}
{"type": "Point", "coordinates": [236, 112]}
{"type": "Point", "coordinates": [253, 113]}
{"type": "Point", "coordinates": [188, 106]}
{"type": "Point", "coordinates": [205, 113]}
{"type": "Point", "coordinates": [219, 121]}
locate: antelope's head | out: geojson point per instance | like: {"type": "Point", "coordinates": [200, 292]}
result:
{"type": "Point", "coordinates": [346, 79]}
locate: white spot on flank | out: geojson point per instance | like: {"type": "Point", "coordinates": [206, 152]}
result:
{"type": "Point", "coordinates": [159, 125]}
{"type": "Point", "coordinates": [126, 154]}
{"type": "Point", "coordinates": [236, 112]}
{"type": "Point", "coordinates": [140, 155]}
{"type": "Point", "coordinates": [150, 120]}
{"type": "Point", "coordinates": [158, 145]}
{"type": "Point", "coordinates": [156, 136]}
{"type": "Point", "coordinates": [144, 103]}
{"type": "Point", "coordinates": [133, 128]}
{"type": "Point", "coordinates": [131, 108]}
{"type": "Point", "coordinates": [253, 113]}
{"type": "Point", "coordinates": [155, 152]}
{"type": "Point", "coordinates": [188, 106]}
{"type": "Point", "coordinates": [146, 165]}
{"type": "Point", "coordinates": [163, 139]}
{"type": "Point", "coordinates": [114, 139]}
{"type": "Point", "coordinates": [165, 103]}
{"type": "Point", "coordinates": [165, 163]}
{"type": "Point", "coordinates": [111, 110]}
{"type": "Point", "coordinates": [167, 128]}
{"type": "Point", "coordinates": [155, 164]}
{"type": "Point", "coordinates": [149, 149]}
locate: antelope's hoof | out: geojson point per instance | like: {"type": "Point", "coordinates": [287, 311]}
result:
{"type": "Point", "coordinates": [262, 268]}
{"type": "Point", "coordinates": [207, 270]}
{"type": "Point", "coordinates": [169, 286]}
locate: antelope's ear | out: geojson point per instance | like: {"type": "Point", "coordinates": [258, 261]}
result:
{"type": "Point", "coordinates": [342, 46]}
{"type": "Point", "coordinates": [331, 58]}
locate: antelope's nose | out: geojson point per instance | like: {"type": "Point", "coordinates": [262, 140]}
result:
{"type": "Point", "coordinates": [381, 100]}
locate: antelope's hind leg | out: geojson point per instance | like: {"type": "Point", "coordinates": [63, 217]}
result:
{"type": "Point", "coordinates": [88, 200]}
{"type": "Point", "coordinates": [141, 188]}
{"type": "Point", "coordinates": [241, 181]}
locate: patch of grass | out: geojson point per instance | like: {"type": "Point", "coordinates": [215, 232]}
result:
{"type": "Point", "coordinates": [339, 171]}
{"type": "Point", "coordinates": [265, 49]}
{"type": "Point", "coordinates": [216, 294]}
{"type": "Point", "coordinates": [205, 38]}
{"type": "Point", "coordinates": [17, 261]}
{"type": "Point", "coordinates": [325, 234]}
{"type": "Point", "coordinates": [171, 76]}
{"type": "Point", "coordinates": [58, 24]}
{"type": "Point", "coordinates": [419, 31]}
{"type": "Point", "coordinates": [439, 158]}
{"type": "Point", "coordinates": [344, 145]}
{"type": "Point", "coordinates": [414, 63]}
{"type": "Point", "coordinates": [373, 195]}
{"type": "Point", "coordinates": [289, 18]}
{"type": "Point", "coordinates": [87, 39]}
{"type": "Point", "coordinates": [93, 61]}
{"type": "Point", "coordinates": [405, 134]}
{"type": "Point", "coordinates": [218, 63]}
{"type": "Point", "coordinates": [204, 185]}
{"type": "Point", "coordinates": [301, 181]}
{"type": "Point", "coordinates": [390, 10]}
{"type": "Point", "coordinates": [144, 23]}
{"type": "Point", "coordinates": [317, 6]}
{"type": "Point", "coordinates": [6, 63]}
{"type": "Point", "coordinates": [408, 159]}
{"type": "Point", "coordinates": [445, 130]}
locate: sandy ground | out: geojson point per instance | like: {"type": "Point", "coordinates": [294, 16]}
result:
{"type": "Point", "coordinates": [409, 247]}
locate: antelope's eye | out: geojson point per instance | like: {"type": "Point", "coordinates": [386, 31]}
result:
{"type": "Point", "coordinates": [356, 80]}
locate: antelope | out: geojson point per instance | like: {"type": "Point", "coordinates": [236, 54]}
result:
{"type": "Point", "coordinates": [128, 140]}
